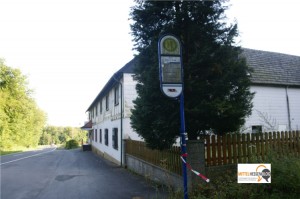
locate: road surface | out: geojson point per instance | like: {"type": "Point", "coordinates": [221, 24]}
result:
{"type": "Point", "coordinates": [69, 174]}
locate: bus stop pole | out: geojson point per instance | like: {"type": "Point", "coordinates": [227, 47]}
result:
{"type": "Point", "coordinates": [183, 136]}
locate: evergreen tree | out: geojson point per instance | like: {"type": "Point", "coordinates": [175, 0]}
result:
{"type": "Point", "coordinates": [216, 85]}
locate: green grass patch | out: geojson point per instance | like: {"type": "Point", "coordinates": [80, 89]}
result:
{"type": "Point", "coordinates": [19, 149]}
{"type": "Point", "coordinates": [7, 152]}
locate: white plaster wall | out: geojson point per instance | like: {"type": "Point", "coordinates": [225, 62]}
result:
{"type": "Point", "coordinates": [130, 94]}
{"type": "Point", "coordinates": [270, 106]}
{"type": "Point", "coordinates": [115, 153]}
{"type": "Point", "coordinates": [108, 119]}
{"type": "Point", "coordinates": [129, 133]}
{"type": "Point", "coordinates": [294, 99]}
{"type": "Point", "coordinates": [111, 119]}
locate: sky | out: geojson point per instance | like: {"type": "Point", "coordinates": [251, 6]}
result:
{"type": "Point", "coordinates": [69, 49]}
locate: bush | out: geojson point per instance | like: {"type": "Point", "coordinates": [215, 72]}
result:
{"type": "Point", "coordinates": [72, 144]}
{"type": "Point", "coordinates": [285, 182]}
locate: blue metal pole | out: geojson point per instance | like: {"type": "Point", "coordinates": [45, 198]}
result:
{"type": "Point", "coordinates": [183, 145]}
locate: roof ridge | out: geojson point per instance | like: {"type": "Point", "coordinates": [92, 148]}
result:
{"type": "Point", "coordinates": [265, 51]}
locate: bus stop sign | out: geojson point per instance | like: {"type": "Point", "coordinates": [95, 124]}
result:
{"type": "Point", "coordinates": [170, 66]}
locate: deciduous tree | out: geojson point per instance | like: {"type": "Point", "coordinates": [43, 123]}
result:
{"type": "Point", "coordinates": [21, 121]}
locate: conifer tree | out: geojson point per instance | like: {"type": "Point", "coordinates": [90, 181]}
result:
{"type": "Point", "coordinates": [216, 84]}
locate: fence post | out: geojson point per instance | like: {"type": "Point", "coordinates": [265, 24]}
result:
{"type": "Point", "coordinates": [196, 158]}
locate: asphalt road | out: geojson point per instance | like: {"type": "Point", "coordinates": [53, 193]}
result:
{"type": "Point", "coordinates": [70, 174]}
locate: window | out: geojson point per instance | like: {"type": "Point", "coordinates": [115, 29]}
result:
{"type": "Point", "coordinates": [115, 138]}
{"type": "Point", "coordinates": [101, 107]}
{"type": "Point", "coordinates": [100, 135]}
{"type": "Point", "coordinates": [257, 129]}
{"type": "Point", "coordinates": [96, 135]}
{"type": "Point", "coordinates": [107, 102]}
{"type": "Point", "coordinates": [106, 137]}
{"type": "Point", "coordinates": [116, 94]}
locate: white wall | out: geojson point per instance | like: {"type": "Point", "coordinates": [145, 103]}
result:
{"type": "Point", "coordinates": [294, 99]}
{"type": "Point", "coordinates": [130, 94]}
{"type": "Point", "coordinates": [115, 153]}
{"type": "Point", "coordinates": [111, 119]}
{"type": "Point", "coordinates": [270, 109]}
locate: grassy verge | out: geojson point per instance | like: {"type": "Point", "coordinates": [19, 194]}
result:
{"type": "Point", "coordinates": [15, 150]}
{"type": "Point", "coordinates": [19, 149]}
{"type": "Point", "coordinates": [5, 152]}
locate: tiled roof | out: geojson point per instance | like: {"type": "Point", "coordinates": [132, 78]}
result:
{"type": "Point", "coordinates": [128, 68]}
{"type": "Point", "coordinates": [269, 68]}
{"type": "Point", "coordinates": [87, 126]}
{"type": "Point", "coordinates": [273, 68]}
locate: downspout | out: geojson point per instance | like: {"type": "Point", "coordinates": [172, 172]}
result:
{"type": "Point", "coordinates": [288, 107]}
{"type": "Point", "coordinates": [121, 118]}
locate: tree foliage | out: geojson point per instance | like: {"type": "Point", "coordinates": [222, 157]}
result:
{"type": "Point", "coordinates": [217, 95]}
{"type": "Point", "coordinates": [21, 121]}
{"type": "Point", "coordinates": [60, 135]}
{"type": "Point", "coordinates": [72, 144]}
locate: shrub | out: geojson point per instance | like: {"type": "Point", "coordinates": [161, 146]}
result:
{"type": "Point", "coordinates": [285, 182]}
{"type": "Point", "coordinates": [71, 144]}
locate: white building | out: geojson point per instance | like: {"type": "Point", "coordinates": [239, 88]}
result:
{"type": "Point", "coordinates": [275, 81]}
{"type": "Point", "coordinates": [110, 115]}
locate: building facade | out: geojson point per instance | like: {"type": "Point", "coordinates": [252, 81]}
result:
{"type": "Point", "coordinates": [276, 83]}
{"type": "Point", "coordinates": [276, 106]}
{"type": "Point", "coordinates": [110, 113]}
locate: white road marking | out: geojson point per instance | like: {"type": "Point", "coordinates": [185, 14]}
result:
{"type": "Point", "coordinates": [17, 154]}
{"type": "Point", "coordinates": [27, 157]}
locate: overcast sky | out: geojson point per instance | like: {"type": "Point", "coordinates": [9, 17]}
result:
{"type": "Point", "coordinates": [70, 48]}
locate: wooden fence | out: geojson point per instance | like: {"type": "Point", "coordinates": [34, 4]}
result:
{"type": "Point", "coordinates": [241, 148]}
{"type": "Point", "coordinates": [167, 159]}
{"type": "Point", "coordinates": [223, 150]}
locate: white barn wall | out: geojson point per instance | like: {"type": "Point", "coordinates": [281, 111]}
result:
{"type": "Point", "coordinates": [294, 99]}
{"type": "Point", "coordinates": [270, 103]}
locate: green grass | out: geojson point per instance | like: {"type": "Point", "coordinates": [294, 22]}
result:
{"type": "Point", "coordinates": [14, 150]}
{"type": "Point", "coordinates": [19, 149]}
{"type": "Point", "coordinates": [7, 152]}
